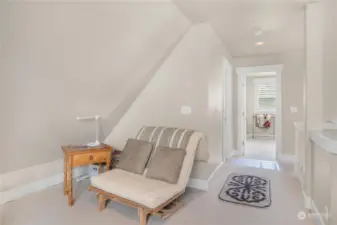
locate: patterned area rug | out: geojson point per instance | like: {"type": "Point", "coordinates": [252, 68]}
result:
{"type": "Point", "coordinates": [247, 189]}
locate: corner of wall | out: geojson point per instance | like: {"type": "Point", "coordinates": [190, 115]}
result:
{"type": "Point", "coordinates": [181, 12]}
{"type": "Point", "coordinates": [122, 108]}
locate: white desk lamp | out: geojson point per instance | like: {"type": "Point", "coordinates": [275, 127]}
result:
{"type": "Point", "coordinates": [97, 117]}
{"type": "Point", "coordinates": [92, 170]}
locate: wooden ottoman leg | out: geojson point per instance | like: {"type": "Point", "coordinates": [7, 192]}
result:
{"type": "Point", "coordinates": [101, 202]}
{"type": "Point", "coordinates": [143, 216]}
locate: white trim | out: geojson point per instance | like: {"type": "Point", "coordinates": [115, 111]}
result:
{"type": "Point", "coordinates": [31, 174]}
{"type": "Point", "coordinates": [198, 184]}
{"type": "Point", "coordinates": [307, 200]}
{"type": "Point", "coordinates": [90, 1]}
{"type": "Point", "coordinates": [243, 72]}
{"type": "Point", "coordinates": [203, 184]}
{"type": "Point", "coordinates": [265, 111]}
{"type": "Point", "coordinates": [227, 110]}
{"type": "Point", "coordinates": [266, 136]}
{"type": "Point", "coordinates": [317, 215]}
{"type": "Point", "coordinates": [287, 158]}
{"type": "Point", "coordinates": [310, 205]}
{"type": "Point", "coordinates": [241, 110]}
{"type": "Point", "coordinates": [1, 214]}
{"type": "Point", "coordinates": [34, 179]}
{"type": "Point", "coordinates": [22, 188]}
{"type": "Point", "coordinates": [326, 143]}
{"type": "Point", "coordinates": [18, 192]}
{"type": "Point", "coordinates": [235, 152]}
{"type": "Point", "coordinates": [215, 171]}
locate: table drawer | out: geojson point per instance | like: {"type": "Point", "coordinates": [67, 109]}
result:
{"type": "Point", "coordinates": [89, 158]}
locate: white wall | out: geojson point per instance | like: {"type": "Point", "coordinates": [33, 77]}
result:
{"type": "Point", "coordinates": [62, 60]}
{"type": "Point", "coordinates": [314, 69]}
{"type": "Point", "coordinates": [329, 59]}
{"type": "Point", "coordinates": [313, 83]}
{"type": "Point", "coordinates": [192, 76]}
{"type": "Point", "coordinates": [320, 166]}
{"type": "Point", "coordinates": [292, 91]}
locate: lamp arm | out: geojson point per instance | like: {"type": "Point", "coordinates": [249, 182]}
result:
{"type": "Point", "coordinates": [96, 117]}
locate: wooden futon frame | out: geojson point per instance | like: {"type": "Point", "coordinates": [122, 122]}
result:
{"type": "Point", "coordinates": [164, 210]}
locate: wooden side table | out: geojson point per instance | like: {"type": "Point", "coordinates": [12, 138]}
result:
{"type": "Point", "coordinates": [82, 156]}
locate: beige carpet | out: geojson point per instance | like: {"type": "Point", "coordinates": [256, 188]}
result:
{"type": "Point", "coordinates": [263, 149]}
{"type": "Point", "coordinates": [50, 207]}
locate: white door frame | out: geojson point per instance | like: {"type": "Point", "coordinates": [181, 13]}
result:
{"type": "Point", "coordinates": [243, 72]}
{"type": "Point", "coordinates": [227, 115]}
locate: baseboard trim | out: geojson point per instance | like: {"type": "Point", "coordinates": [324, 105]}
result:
{"type": "Point", "coordinates": [198, 184]}
{"type": "Point", "coordinates": [233, 154]}
{"type": "Point", "coordinates": [203, 184]}
{"type": "Point", "coordinates": [287, 158]}
{"type": "Point", "coordinates": [215, 171]}
{"type": "Point", "coordinates": [1, 214]}
{"type": "Point", "coordinates": [21, 177]}
{"type": "Point", "coordinates": [18, 192]}
{"type": "Point", "coordinates": [317, 215]}
{"type": "Point", "coordinates": [267, 136]}
{"type": "Point", "coordinates": [307, 200]}
{"type": "Point", "coordinates": [311, 207]}
{"type": "Point", "coordinates": [40, 181]}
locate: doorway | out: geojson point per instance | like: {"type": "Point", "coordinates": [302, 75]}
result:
{"type": "Point", "coordinates": [259, 112]}
{"type": "Point", "coordinates": [227, 132]}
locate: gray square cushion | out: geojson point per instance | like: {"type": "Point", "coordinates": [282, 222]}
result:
{"type": "Point", "coordinates": [166, 164]}
{"type": "Point", "coordinates": [135, 156]}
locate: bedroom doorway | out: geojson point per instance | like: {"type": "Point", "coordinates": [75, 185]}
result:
{"type": "Point", "coordinates": [259, 107]}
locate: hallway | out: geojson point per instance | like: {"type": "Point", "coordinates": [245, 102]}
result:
{"type": "Point", "coordinates": [262, 149]}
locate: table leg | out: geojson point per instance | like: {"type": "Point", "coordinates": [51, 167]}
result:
{"type": "Point", "coordinates": [65, 174]}
{"type": "Point", "coordinates": [108, 161]}
{"type": "Point", "coordinates": [99, 168]}
{"type": "Point", "coordinates": [70, 182]}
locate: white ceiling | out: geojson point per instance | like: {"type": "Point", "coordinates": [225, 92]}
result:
{"type": "Point", "coordinates": [237, 21]}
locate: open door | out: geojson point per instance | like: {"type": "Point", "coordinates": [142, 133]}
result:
{"type": "Point", "coordinates": [242, 73]}
{"type": "Point", "coordinates": [227, 132]}
{"type": "Point", "coordinates": [242, 114]}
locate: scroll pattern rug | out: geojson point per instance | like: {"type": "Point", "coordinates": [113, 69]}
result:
{"type": "Point", "coordinates": [247, 189]}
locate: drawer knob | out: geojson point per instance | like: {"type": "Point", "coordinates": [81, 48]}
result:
{"type": "Point", "coordinates": [91, 157]}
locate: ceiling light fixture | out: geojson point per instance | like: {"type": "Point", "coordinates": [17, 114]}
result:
{"type": "Point", "coordinates": [259, 43]}
{"type": "Point", "coordinates": [258, 33]}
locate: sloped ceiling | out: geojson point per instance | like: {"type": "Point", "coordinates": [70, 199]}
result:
{"type": "Point", "coordinates": [63, 60]}
{"type": "Point", "coordinates": [243, 23]}
{"type": "Point", "coordinates": [192, 76]}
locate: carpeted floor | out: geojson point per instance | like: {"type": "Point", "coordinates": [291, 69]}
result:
{"type": "Point", "coordinates": [49, 207]}
{"type": "Point", "coordinates": [262, 149]}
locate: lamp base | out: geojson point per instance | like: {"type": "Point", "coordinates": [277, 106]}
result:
{"type": "Point", "coordinates": [94, 144]}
